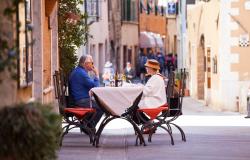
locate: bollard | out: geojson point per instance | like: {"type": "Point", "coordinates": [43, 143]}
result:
{"type": "Point", "coordinates": [248, 104]}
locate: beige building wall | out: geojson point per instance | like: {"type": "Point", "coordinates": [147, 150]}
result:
{"type": "Point", "coordinates": [131, 41]}
{"type": "Point", "coordinates": [240, 12]}
{"type": "Point", "coordinates": [99, 37]}
{"type": "Point", "coordinates": [219, 70]}
{"type": "Point", "coordinates": [171, 28]}
{"type": "Point", "coordinates": [45, 56]}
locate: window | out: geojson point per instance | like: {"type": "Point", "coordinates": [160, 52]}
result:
{"type": "Point", "coordinates": [129, 10]}
{"type": "Point", "coordinates": [215, 65]}
{"type": "Point", "coordinates": [142, 7]}
{"type": "Point", "coordinates": [92, 7]}
{"type": "Point", "coordinates": [25, 41]}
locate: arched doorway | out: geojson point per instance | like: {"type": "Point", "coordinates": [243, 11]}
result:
{"type": "Point", "coordinates": [201, 68]}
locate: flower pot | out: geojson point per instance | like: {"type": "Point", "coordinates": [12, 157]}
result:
{"type": "Point", "coordinates": [186, 93]}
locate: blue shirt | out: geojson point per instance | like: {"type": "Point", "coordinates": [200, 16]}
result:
{"type": "Point", "coordinates": [80, 83]}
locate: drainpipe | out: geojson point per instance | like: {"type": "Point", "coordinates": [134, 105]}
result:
{"type": "Point", "coordinates": [248, 103]}
{"type": "Point", "coordinates": [237, 104]}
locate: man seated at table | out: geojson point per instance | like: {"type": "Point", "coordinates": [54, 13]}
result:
{"type": "Point", "coordinates": [154, 93]}
{"type": "Point", "coordinates": [80, 84]}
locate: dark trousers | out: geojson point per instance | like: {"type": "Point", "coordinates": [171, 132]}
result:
{"type": "Point", "coordinates": [85, 103]}
{"type": "Point", "coordinates": [142, 117]}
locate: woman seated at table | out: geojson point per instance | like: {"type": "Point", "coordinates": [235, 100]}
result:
{"type": "Point", "coordinates": [154, 93]}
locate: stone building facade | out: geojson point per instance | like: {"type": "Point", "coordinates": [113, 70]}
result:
{"type": "Point", "coordinates": [155, 21]}
{"type": "Point", "coordinates": [37, 42]}
{"type": "Point", "coordinates": [218, 47]}
{"type": "Point", "coordinates": [123, 32]}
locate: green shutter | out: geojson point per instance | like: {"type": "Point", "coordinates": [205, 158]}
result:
{"type": "Point", "coordinates": [148, 7]}
{"type": "Point", "coordinates": [128, 10]}
{"type": "Point", "coordinates": [156, 9]}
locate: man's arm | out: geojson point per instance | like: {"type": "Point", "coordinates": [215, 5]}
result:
{"type": "Point", "coordinates": [89, 82]}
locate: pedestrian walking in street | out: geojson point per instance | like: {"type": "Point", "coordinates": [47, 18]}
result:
{"type": "Point", "coordinates": [161, 59]}
{"type": "Point", "coordinates": [143, 59]}
{"type": "Point", "coordinates": [151, 54]}
{"type": "Point", "coordinates": [169, 63]}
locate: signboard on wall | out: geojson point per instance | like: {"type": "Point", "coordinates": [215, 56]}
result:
{"type": "Point", "coordinates": [171, 8]}
{"type": "Point", "coordinates": [244, 40]}
{"type": "Point", "coordinates": [247, 5]}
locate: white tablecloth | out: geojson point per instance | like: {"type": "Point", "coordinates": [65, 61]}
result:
{"type": "Point", "coordinates": [117, 99]}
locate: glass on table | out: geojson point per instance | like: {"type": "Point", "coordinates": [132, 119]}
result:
{"type": "Point", "coordinates": [111, 81]}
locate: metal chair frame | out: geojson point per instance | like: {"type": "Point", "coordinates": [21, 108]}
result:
{"type": "Point", "coordinates": [70, 116]}
{"type": "Point", "coordinates": [160, 120]}
{"type": "Point", "coordinates": [177, 109]}
{"type": "Point", "coordinates": [166, 117]}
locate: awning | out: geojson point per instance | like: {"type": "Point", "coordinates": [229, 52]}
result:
{"type": "Point", "coordinates": [158, 40]}
{"type": "Point", "coordinates": [147, 40]}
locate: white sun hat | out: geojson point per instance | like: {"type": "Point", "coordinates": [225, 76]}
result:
{"type": "Point", "coordinates": [108, 64]}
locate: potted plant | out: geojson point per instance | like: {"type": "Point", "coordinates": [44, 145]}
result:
{"type": "Point", "coordinates": [178, 82]}
{"type": "Point", "coordinates": [29, 132]}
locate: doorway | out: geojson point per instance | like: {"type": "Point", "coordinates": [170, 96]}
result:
{"type": "Point", "coordinates": [201, 68]}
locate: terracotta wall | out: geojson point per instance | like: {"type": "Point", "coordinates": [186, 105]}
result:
{"type": "Point", "coordinates": [45, 55]}
{"type": "Point", "coordinates": [152, 23]}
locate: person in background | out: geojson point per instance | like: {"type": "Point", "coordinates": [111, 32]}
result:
{"type": "Point", "coordinates": [151, 54]}
{"type": "Point", "coordinates": [129, 72]}
{"type": "Point", "coordinates": [174, 60]}
{"type": "Point", "coordinates": [161, 59]}
{"type": "Point", "coordinates": [80, 84]}
{"type": "Point", "coordinates": [108, 72]}
{"type": "Point", "coordinates": [169, 62]}
{"type": "Point", "coordinates": [143, 60]}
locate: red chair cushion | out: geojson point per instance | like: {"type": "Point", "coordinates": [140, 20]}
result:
{"type": "Point", "coordinates": [79, 112]}
{"type": "Point", "coordinates": [153, 112]}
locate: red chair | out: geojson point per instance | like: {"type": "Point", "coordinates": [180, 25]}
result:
{"type": "Point", "coordinates": [158, 116]}
{"type": "Point", "coordinates": [73, 117]}
{"type": "Point", "coordinates": [150, 126]}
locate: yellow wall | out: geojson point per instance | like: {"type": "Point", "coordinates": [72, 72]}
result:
{"type": "Point", "coordinates": [202, 20]}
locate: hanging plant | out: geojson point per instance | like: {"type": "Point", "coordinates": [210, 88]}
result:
{"type": "Point", "coordinates": [8, 49]}
{"type": "Point", "coordinates": [72, 32]}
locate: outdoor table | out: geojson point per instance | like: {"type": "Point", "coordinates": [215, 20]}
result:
{"type": "Point", "coordinates": [115, 101]}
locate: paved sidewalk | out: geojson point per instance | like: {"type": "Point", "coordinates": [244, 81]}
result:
{"type": "Point", "coordinates": [210, 136]}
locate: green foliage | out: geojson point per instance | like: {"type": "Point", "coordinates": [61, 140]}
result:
{"type": "Point", "coordinates": [72, 33]}
{"type": "Point", "coordinates": [29, 132]}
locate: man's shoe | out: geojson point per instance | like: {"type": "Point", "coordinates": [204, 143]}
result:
{"type": "Point", "coordinates": [84, 130]}
{"type": "Point", "coordinates": [149, 130]}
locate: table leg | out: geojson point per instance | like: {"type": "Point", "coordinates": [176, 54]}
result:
{"type": "Point", "coordinates": [105, 121]}
{"type": "Point", "coordinates": [137, 130]}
